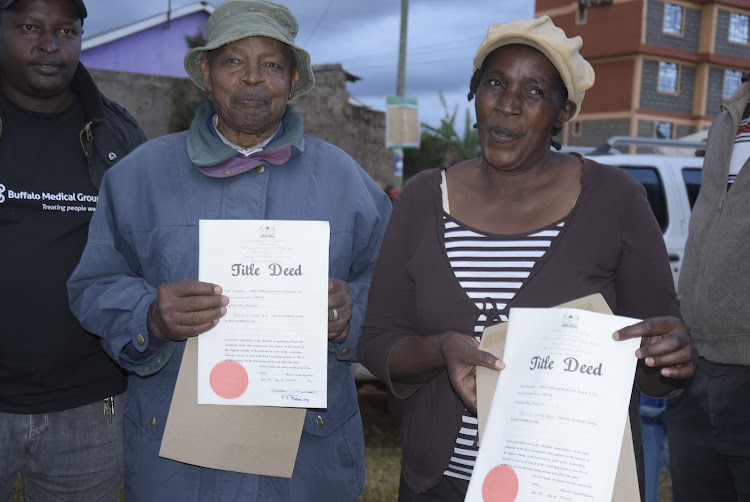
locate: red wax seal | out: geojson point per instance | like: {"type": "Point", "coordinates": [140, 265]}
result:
{"type": "Point", "coordinates": [500, 485]}
{"type": "Point", "coordinates": [229, 379]}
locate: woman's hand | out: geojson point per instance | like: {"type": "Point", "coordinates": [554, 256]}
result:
{"type": "Point", "coordinates": [462, 356]}
{"type": "Point", "coordinates": [665, 344]}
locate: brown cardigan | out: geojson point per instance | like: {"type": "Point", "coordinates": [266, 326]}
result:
{"type": "Point", "coordinates": [610, 244]}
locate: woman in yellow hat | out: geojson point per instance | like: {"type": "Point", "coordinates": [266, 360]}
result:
{"type": "Point", "coordinates": [520, 226]}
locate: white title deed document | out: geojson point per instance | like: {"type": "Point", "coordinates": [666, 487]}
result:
{"type": "Point", "coordinates": [270, 349]}
{"type": "Point", "coordinates": [556, 422]}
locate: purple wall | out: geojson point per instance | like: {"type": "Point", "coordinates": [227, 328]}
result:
{"type": "Point", "coordinates": [156, 51]}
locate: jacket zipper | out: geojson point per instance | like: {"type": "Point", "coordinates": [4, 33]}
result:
{"type": "Point", "coordinates": [723, 198]}
{"type": "Point", "coordinates": [710, 230]}
{"type": "Point", "coordinates": [89, 137]}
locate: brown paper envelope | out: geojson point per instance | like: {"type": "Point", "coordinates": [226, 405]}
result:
{"type": "Point", "coordinates": [251, 439]}
{"type": "Point", "coordinates": [493, 341]}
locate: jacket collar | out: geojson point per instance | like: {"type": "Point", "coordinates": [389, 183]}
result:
{"type": "Point", "coordinates": [206, 150]}
{"type": "Point", "coordinates": [738, 102]}
{"type": "Point", "coordinates": [88, 93]}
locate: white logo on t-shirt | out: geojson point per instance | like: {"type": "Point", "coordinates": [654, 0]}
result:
{"type": "Point", "coordinates": [70, 201]}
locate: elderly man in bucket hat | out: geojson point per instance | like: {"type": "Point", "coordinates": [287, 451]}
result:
{"type": "Point", "coordinates": [244, 157]}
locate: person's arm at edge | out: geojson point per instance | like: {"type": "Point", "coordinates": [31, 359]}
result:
{"type": "Point", "coordinates": [390, 347]}
{"type": "Point", "coordinates": [391, 305]}
{"type": "Point", "coordinates": [111, 300]}
{"type": "Point", "coordinates": [645, 288]}
{"type": "Point", "coordinates": [367, 245]}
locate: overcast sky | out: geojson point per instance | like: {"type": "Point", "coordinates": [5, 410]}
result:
{"type": "Point", "coordinates": [363, 35]}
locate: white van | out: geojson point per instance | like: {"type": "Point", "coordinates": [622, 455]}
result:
{"type": "Point", "coordinates": [672, 185]}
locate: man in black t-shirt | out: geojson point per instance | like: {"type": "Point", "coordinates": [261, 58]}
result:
{"type": "Point", "coordinates": [61, 396]}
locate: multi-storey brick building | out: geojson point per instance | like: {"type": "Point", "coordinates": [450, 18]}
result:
{"type": "Point", "coordinates": [662, 67]}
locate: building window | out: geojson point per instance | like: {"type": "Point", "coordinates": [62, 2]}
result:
{"type": "Point", "coordinates": [667, 77]}
{"type": "Point", "coordinates": [732, 80]}
{"type": "Point", "coordinates": [664, 130]}
{"type": "Point", "coordinates": [584, 4]}
{"type": "Point", "coordinates": [577, 128]}
{"type": "Point", "coordinates": [739, 28]}
{"type": "Point", "coordinates": [593, 3]}
{"type": "Point", "coordinates": [672, 19]}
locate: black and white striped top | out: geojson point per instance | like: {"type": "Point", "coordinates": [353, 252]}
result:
{"type": "Point", "coordinates": [488, 266]}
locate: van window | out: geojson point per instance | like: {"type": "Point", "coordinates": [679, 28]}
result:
{"type": "Point", "coordinates": [650, 179]}
{"type": "Point", "coordinates": [692, 177]}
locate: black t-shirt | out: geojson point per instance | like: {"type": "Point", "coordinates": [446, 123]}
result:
{"type": "Point", "coordinates": [47, 361]}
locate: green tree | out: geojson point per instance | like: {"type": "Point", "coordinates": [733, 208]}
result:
{"type": "Point", "coordinates": [184, 96]}
{"type": "Point", "coordinates": [199, 39]}
{"type": "Point", "coordinates": [442, 146]}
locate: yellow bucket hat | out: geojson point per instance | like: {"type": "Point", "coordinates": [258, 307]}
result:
{"type": "Point", "coordinates": [541, 34]}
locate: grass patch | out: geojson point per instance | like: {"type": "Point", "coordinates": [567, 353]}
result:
{"type": "Point", "coordinates": [380, 414]}
{"type": "Point", "coordinates": [382, 445]}
{"type": "Point", "coordinates": [18, 491]}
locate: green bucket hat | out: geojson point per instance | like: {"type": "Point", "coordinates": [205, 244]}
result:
{"type": "Point", "coordinates": [238, 19]}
